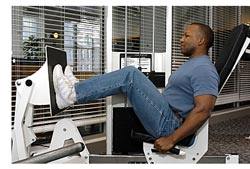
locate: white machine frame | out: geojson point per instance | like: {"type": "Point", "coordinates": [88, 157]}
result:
{"type": "Point", "coordinates": [34, 90]}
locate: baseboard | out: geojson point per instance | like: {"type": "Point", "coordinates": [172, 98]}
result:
{"type": "Point", "coordinates": [227, 114]}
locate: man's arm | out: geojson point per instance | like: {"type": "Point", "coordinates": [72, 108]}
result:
{"type": "Point", "coordinates": [204, 105]}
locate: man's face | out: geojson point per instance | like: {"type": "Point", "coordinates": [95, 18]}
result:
{"type": "Point", "coordinates": [189, 41]}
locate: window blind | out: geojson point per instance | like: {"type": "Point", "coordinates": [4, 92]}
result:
{"type": "Point", "coordinates": [224, 20]}
{"type": "Point", "coordinates": [244, 87]}
{"type": "Point", "coordinates": [80, 31]}
{"type": "Point", "coordinates": [139, 29]}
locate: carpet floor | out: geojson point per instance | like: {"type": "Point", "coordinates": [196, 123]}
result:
{"type": "Point", "coordinates": [230, 136]}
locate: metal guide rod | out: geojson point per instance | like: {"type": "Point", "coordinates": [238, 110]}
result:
{"type": "Point", "coordinates": [55, 154]}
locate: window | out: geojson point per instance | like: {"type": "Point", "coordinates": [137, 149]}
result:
{"type": "Point", "coordinates": [244, 87]}
{"type": "Point", "coordinates": [224, 20]}
{"type": "Point", "coordinates": [143, 28]}
{"type": "Point", "coordinates": [86, 39]}
{"type": "Point", "coordinates": [78, 30]}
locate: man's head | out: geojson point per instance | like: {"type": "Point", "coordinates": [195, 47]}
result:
{"type": "Point", "coordinates": [197, 39]}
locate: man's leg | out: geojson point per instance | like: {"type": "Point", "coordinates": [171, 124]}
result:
{"type": "Point", "coordinates": [147, 102]}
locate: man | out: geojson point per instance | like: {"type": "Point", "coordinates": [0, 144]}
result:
{"type": "Point", "coordinates": [190, 94]}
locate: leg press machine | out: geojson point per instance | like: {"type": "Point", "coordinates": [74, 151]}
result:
{"type": "Point", "coordinates": [37, 89]}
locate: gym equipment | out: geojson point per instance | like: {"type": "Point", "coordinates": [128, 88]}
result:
{"type": "Point", "coordinates": [37, 89]}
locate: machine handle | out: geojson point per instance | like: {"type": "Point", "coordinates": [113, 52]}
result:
{"type": "Point", "coordinates": [150, 139]}
{"type": "Point", "coordinates": [173, 151]}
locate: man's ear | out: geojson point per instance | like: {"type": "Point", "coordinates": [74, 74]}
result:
{"type": "Point", "coordinates": [201, 41]}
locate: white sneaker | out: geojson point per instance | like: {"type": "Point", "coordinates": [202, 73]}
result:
{"type": "Point", "coordinates": [61, 103]}
{"type": "Point", "coordinates": [65, 91]}
{"type": "Point", "coordinates": [68, 73]}
{"type": "Point", "coordinates": [70, 76]}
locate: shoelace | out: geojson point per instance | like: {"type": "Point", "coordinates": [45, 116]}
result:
{"type": "Point", "coordinates": [68, 83]}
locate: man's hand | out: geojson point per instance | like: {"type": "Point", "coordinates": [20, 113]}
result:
{"type": "Point", "coordinates": [164, 144]}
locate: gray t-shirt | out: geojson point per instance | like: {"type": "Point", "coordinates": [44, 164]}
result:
{"type": "Point", "coordinates": [197, 76]}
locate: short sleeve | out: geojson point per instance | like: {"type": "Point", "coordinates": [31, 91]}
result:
{"type": "Point", "coordinates": [205, 80]}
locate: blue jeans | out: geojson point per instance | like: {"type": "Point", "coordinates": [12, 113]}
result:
{"type": "Point", "coordinates": [148, 103]}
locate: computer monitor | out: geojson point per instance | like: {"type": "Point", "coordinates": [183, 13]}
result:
{"type": "Point", "coordinates": [142, 61]}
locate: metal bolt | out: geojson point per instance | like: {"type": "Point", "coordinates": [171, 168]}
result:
{"type": "Point", "coordinates": [28, 82]}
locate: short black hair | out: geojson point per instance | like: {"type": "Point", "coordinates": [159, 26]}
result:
{"type": "Point", "coordinates": [207, 32]}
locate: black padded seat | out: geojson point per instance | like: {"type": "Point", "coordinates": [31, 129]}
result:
{"type": "Point", "coordinates": [230, 52]}
{"type": "Point", "coordinates": [246, 57]}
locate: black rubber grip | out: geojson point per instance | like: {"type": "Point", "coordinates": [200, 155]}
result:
{"type": "Point", "coordinates": [173, 150]}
